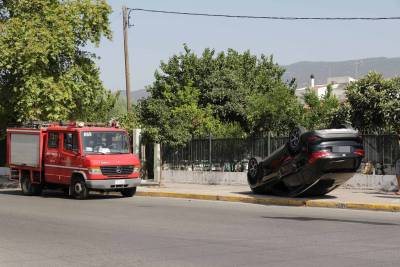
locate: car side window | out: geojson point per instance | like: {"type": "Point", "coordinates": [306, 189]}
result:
{"type": "Point", "coordinates": [52, 141]}
{"type": "Point", "coordinates": [71, 141]}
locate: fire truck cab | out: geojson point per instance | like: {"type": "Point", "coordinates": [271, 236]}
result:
{"type": "Point", "coordinates": [75, 157]}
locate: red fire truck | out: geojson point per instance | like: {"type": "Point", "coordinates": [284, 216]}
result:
{"type": "Point", "coordinates": [75, 157]}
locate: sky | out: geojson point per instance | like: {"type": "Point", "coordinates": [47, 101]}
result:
{"type": "Point", "coordinates": [156, 37]}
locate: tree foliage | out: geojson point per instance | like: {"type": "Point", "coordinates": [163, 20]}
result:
{"type": "Point", "coordinates": [200, 95]}
{"type": "Point", "coordinates": [374, 103]}
{"type": "Point", "coordinates": [44, 72]}
{"type": "Point", "coordinates": [277, 110]}
{"type": "Point", "coordinates": [319, 112]}
{"type": "Point", "coordinates": [176, 117]}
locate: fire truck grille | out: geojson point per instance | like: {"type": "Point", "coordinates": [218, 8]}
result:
{"type": "Point", "coordinates": [116, 170]}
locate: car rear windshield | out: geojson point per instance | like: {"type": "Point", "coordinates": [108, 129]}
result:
{"type": "Point", "coordinates": [105, 142]}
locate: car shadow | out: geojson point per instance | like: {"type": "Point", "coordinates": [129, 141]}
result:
{"type": "Point", "coordinates": [310, 219]}
{"type": "Point", "coordinates": [60, 194]}
{"type": "Point", "coordinates": [251, 194]}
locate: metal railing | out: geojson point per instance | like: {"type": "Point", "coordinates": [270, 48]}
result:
{"type": "Point", "coordinates": [232, 154]}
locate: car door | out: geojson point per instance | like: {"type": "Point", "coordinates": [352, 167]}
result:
{"type": "Point", "coordinates": [69, 156]}
{"type": "Point", "coordinates": [52, 157]}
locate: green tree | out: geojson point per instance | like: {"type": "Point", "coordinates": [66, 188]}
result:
{"type": "Point", "coordinates": [392, 105]}
{"type": "Point", "coordinates": [319, 111]}
{"type": "Point", "coordinates": [341, 115]}
{"type": "Point", "coordinates": [175, 117]}
{"type": "Point", "coordinates": [226, 85]}
{"type": "Point", "coordinates": [129, 120]}
{"type": "Point", "coordinates": [370, 100]}
{"type": "Point", "coordinates": [45, 74]}
{"type": "Point", "coordinates": [278, 111]}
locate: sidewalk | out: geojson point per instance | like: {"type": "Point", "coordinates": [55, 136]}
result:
{"type": "Point", "coordinates": [339, 198]}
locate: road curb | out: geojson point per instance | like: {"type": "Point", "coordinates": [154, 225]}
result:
{"type": "Point", "coordinates": [254, 200]}
{"type": "Point", "coordinates": [277, 201]}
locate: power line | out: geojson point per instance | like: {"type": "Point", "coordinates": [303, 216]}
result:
{"type": "Point", "coordinates": [257, 17]}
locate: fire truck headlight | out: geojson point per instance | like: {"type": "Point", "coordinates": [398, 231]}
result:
{"type": "Point", "coordinates": [94, 171]}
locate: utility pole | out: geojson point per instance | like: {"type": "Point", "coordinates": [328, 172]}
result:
{"type": "Point", "coordinates": [125, 23]}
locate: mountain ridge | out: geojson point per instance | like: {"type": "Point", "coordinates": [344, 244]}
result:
{"type": "Point", "coordinates": [322, 70]}
{"type": "Point", "coordinates": [355, 68]}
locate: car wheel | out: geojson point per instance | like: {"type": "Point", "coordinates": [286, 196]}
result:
{"type": "Point", "coordinates": [79, 189]}
{"type": "Point", "coordinates": [28, 188]}
{"type": "Point", "coordinates": [252, 171]}
{"type": "Point", "coordinates": [129, 192]}
{"type": "Point", "coordinates": [294, 143]}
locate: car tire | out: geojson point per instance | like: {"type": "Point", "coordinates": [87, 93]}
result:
{"type": "Point", "coordinates": [294, 144]}
{"type": "Point", "coordinates": [252, 171]}
{"type": "Point", "coordinates": [129, 192]}
{"type": "Point", "coordinates": [28, 188]}
{"type": "Point", "coordinates": [79, 189]}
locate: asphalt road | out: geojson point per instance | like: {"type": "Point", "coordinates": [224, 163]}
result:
{"type": "Point", "coordinates": [110, 231]}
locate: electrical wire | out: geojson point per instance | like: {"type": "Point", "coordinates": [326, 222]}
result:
{"type": "Point", "coordinates": [259, 17]}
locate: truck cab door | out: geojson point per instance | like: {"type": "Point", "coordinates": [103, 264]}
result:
{"type": "Point", "coordinates": [52, 157]}
{"type": "Point", "coordinates": [70, 158]}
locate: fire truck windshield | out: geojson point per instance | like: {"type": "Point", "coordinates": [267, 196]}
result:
{"type": "Point", "coordinates": [105, 142]}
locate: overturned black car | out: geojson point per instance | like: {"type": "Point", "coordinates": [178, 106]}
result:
{"type": "Point", "coordinates": [311, 163]}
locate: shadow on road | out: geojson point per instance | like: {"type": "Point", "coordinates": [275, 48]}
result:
{"type": "Point", "coordinates": [251, 194]}
{"type": "Point", "coordinates": [308, 219]}
{"type": "Point", "coordinates": [60, 194]}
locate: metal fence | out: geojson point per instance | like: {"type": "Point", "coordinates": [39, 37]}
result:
{"type": "Point", "coordinates": [382, 151]}
{"type": "Point", "coordinates": [233, 154]}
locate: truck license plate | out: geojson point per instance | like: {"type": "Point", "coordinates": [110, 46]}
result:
{"type": "Point", "coordinates": [119, 182]}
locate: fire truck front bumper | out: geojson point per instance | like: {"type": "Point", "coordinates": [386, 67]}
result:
{"type": "Point", "coordinates": [113, 184]}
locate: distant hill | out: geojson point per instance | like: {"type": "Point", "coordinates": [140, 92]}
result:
{"type": "Point", "coordinates": [389, 67]}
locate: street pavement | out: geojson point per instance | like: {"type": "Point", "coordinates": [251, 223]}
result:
{"type": "Point", "coordinates": [344, 198]}
{"type": "Point", "coordinates": [52, 230]}
{"type": "Point", "coordinates": [338, 198]}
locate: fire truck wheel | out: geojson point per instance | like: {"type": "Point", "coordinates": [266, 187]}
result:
{"type": "Point", "coordinates": [79, 189]}
{"type": "Point", "coordinates": [129, 192]}
{"type": "Point", "coordinates": [28, 188]}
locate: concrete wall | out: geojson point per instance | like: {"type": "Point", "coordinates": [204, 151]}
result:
{"type": "Point", "coordinates": [359, 181]}
{"type": "Point", "coordinates": [380, 182]}
{"type": "Point", "coordinates": [203, 177]}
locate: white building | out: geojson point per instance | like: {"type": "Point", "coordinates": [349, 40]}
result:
{"type": "Point", "coordinates": [338, 86]}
